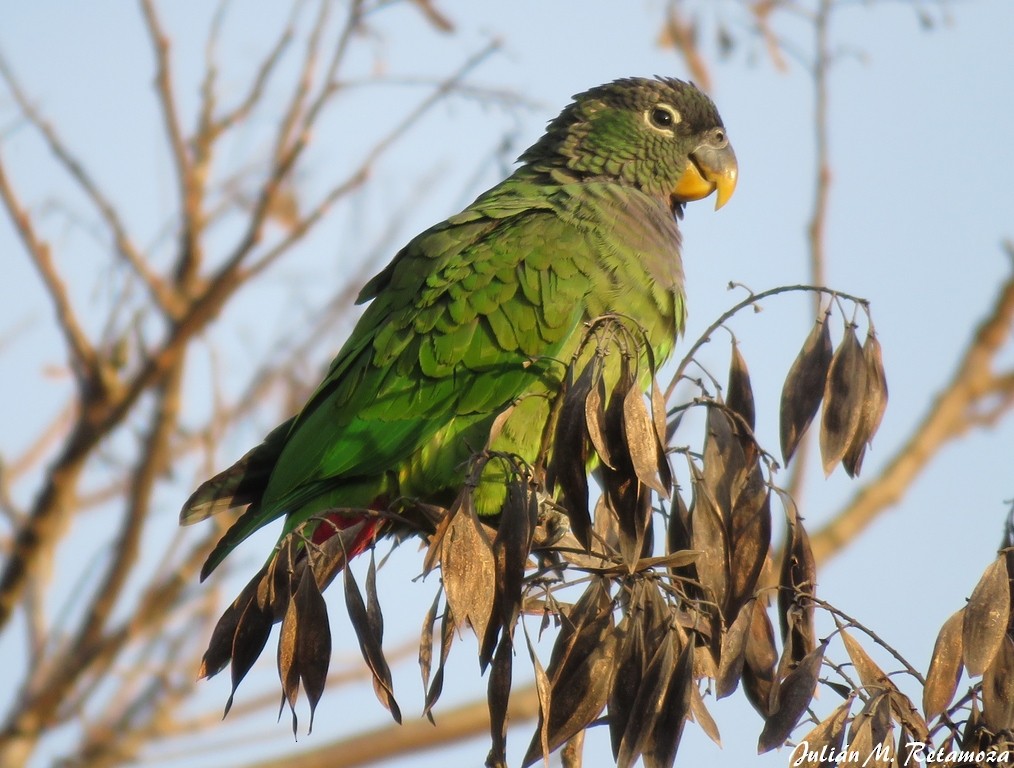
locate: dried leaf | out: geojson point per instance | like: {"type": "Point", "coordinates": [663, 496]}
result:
{"type": "Point", "coordinates": [874, 405]}
{"type": "Point", "coordinates": [750, 541]}
{"type": "Point", "coordinates": [580, 671]}
{"type": "Point", "coordinates": [313, 641]}
{"type": "Point", "coordinates": [874, 679]}
{"type": "Point", "coordinates": [945, 667]}
{"type": "Point", "coordinates": [436, 541]}
{"type": "Point", "coordinates": [543, 689]}
{"type": "Point", "coordinates": [646, 451]}
{"type": "Point", "coordinates": [796, 585]}
{"type": "Point", "coordinates": [760, 660]}
{"type": "Point", "coordinates": [219, 651]}
{"type": "Point", "coordinates": [794, 695]}
{"type": "Point", "coordinates": [739, 397]}
{"type": "Point", "coordinates": [253, 625]}
{"type": "Point", "coordinates": [907, 714]}
{"type": "Point", "coordinates": [998, 689]}
{"type": "Point", "coordinates": [733, 655]}
{"type": "Point", "coordinates": [645, 709]}
{"type": "Point", "coordinates": [636, 678]}
{"type": "Point", "coordinates": [664, 739]}
{"type": "Point", "coordinates": [568, 467]}
{"type": "Point", "coordinates": [844, 397]}
{"type": "Point", "coordinates": [986, 617]}
{"type": "Point", "coordinates": [595, 420]}
{"type": "Point", "coordinates": [678, 534]}
{"type": "Point", "coordinates": [468, 569]}
{"type": "Point", "coordinates": [629, 669]}
{"type": "Point", "coordinates": [288, 671]}
{"type": "Point", "coordinates": [870, 734]}
{"type": "Point", "coordinates": [826, 739]}
{"type": "Point", "coordinates": [606, 525]}
{"type": "Point", "coordinates": [804, 387]}
{"type": "Point", "coordinates": [446, 639]}
{"type": "Point", "coordinates": [659, 415]}
{"type": "Point", "coordinates": [613, 432]}
{"type": "Point", "coordinates": [512, 545]}
{"type": "Point", "coordinates": [708, 536]}
{"type": "Point", "coordinates": [876, 382]}
{"type": "Point", "coordinates": [703, 717]}
{"type": "Point", "coordinates": [497, 696]}
{"type": "Point", "coordinates": [426, 641]}
{"type": "Point", "coordinates": [724, 461]}
{"type": "Point", "coordinates": [370, 646]}
{"type": "Point", "coordinates": [304, 646]}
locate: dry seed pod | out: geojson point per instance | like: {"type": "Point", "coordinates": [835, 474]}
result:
{"type": "Point", "coordinates": [370, 638]}
{"type": "Point", "coordinates": [793, 697]}
{"type": "Point", "coordinates": [739, 397]}
{"type": "Point", "coordinates": [873, 408]}
{"type": "Point", "coordinates": [804, 387]}
{"type": "Point", "coordinates": [826, 737]}
{"type": "Point", "coordinates": [645, 450]}
{"type": "Point", "coordinates": [568, 468]}
{"type": "Point", "coordinates": [468, 569]}
{"type": "Point", "coordinates": [998, 689]}
{"type": "Point", "coordinates": [579, 672]}
{"type": "Point", "coordinates": [986, 617]}
{"type": "Point", "coordinates": [844, 395]}
{"type": "Point", "coordinates": [945, 667]}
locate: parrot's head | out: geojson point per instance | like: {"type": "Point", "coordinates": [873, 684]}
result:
{"type": "Point", "coordinates": [663, 136]}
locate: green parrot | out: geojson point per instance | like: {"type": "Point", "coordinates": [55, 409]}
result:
{"type": "Point", "coordinates": [472, 324]}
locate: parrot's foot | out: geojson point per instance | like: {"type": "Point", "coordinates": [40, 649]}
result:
{"type": "Point", "coordinates": [552, 524]}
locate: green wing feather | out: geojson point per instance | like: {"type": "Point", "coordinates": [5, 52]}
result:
{"type": "Point", "coordinates": [471, 315]}
{"type": "Point", "coordinates": [443, 346]}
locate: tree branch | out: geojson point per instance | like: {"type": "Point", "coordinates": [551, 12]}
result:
{"type": "Point", "coordinates": [453, 725]}
{"type": "Point", "coordinates": [81, 351]}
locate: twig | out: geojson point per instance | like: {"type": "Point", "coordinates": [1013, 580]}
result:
{"type": "Point", "coordinates": [167, 100]}
{"type": "Point", "coordinates": [750, 300]}
{"type": "Point", "coordinates": [682, 36]}
{"type": "Point", "coordinates": [257, 87]}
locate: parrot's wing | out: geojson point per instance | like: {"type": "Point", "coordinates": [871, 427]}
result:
{"type": "Point", "coordinates": [464, 320]}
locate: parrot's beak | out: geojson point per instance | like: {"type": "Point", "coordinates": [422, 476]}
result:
{"type": "Point", "coordinates": [710, 168]}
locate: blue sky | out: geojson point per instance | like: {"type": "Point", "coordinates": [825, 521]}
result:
{"type": "Point", "coordinates": [920, 201]}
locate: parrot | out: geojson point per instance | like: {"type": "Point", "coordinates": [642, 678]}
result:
{"type": "Point", "coordinates": [461, 342]}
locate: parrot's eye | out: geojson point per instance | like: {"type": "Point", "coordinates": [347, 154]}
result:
{"type": "Point", "coordinates": [662, 117]}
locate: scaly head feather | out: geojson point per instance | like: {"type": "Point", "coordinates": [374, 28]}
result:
{"type": "Point", "coordinates": [663, 136]}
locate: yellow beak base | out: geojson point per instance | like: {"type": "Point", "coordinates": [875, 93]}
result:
{"type": "Point", "coordinates": [709, 170]}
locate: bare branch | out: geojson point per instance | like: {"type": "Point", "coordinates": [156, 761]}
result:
{"type": "Point", "coordinates": [151, 464]}
{"type": "Point", "coordinates": [246, 105]}
{"type": "Point", "coordinates": [451, 726]}
{"type": "Point", "coordinates": [681, 34]}
{"type": "Point", "coordinates": [80, 349]}
{"type": "Point", "coordinates": [43, 443]}
{"type": "Point", "coordinates": [167, 101]}
{"type": "Point", "coordinates": [362, 173]}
